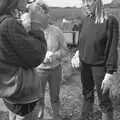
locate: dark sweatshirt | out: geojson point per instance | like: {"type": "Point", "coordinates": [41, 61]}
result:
{"type": "Point", "coordinates": [98, 43]}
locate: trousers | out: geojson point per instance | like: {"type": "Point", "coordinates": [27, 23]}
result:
{"type": "Point", "coordinates": [91, 77]}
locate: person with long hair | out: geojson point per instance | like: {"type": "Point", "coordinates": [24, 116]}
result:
{"type": "Point", "coordinates": [50, 70]}
{"type": "Point", "coordinates": [97, 57]}
{"type": "Point", "coordinates": [21, 51]}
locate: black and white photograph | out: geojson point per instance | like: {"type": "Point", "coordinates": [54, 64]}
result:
{"type": "Point", "coordinates": [59, 60]}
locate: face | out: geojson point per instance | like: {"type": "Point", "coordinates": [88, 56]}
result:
{"type": "Point", "coordinates": [89, 6]}
{"type": "Point", "coordinates": [22, 5]}
{"type": "Point", "coordinates": [44, 18]}
{"type": "Point", "coordinates": [41, 16]}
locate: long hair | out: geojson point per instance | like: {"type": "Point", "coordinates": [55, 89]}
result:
{"type": "Point", "coordinates": [100, 15]}
{"type": "Point", "coordinates": [99, 12]}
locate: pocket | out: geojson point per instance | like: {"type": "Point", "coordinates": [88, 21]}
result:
{"type": "Point", "coordinates": [8, 85]}
{"type": "Point", "coordinates": [30, 89]}
{"type": "Point", "coordinates": [30, 82]}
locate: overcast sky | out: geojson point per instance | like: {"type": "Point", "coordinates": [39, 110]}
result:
{"type": "Point", "coordinates": [70, 3]}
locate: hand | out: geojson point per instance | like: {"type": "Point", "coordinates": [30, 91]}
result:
{"type": "Point", "coordinates": [26, 21]}
{"type": "Point", "coordinates": [53, 57]}
{"type": "Point", "coordinates": [48, 58]}
{"type": "Point", "coordinates": [75, 60]}
{"type": "Point", "coordinates": [48, 54]}
{"type": "Point", "coordinates": [106, 83]}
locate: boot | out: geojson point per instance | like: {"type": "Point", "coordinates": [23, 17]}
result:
{"type": "Point", "coordinates": [87, 108]}
{"type": "Point", "coordinates": [107, 115]}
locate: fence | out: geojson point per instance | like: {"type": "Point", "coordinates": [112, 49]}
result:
{"type": "Point", "coordinates": [69, 37]}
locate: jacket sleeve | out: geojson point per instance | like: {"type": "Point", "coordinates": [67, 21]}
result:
{"type": "Point", "coordinates": [29, 47]}
{"type": "Point", "coordinates": [111, 64]}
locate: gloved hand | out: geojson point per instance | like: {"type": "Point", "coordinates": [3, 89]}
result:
{"type": "Point", "coordinates": [106, 83]}
{"type": "Point", "coordinates": [75, 60]}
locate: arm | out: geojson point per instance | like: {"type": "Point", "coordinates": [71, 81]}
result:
{"type": "Point", "coordinates": [29, 47]}
{"type": "Point", "coordinates": [111, 64]}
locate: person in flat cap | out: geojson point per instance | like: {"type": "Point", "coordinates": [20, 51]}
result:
{"type": "Point", "coordinates": [21, 51]}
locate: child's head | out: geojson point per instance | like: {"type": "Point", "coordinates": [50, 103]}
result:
{"type": "Point", "coordinates": [39, 12]}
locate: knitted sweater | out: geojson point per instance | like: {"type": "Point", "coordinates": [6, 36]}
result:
{"type": "Point", "coordinates": [19, 50]}
{"type": "Point", "coordinates": [98, 43]}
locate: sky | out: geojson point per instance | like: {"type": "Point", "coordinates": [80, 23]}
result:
{"type": "Point", "coordinates": [68, 3]}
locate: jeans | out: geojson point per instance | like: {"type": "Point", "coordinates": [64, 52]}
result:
{"type": "Point", "coordinates": [53, 77]}
{"type": "Point", "coordinates": [92, 76]}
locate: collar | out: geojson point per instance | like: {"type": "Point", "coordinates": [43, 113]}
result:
{"type": "Point", "coordinates": [91, 16]}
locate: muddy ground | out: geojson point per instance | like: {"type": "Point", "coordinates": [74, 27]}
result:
{"type": "Point", "coordinates": [71, 97]}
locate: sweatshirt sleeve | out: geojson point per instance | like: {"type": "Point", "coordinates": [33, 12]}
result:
{"type": "Point", "coordinates": [111, 64]}
{"type": "Point", "coordinates": [29, 47]}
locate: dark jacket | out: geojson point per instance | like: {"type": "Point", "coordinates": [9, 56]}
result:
{"type": "Point", "coordinates": [18, 50]}
{"type": "Point", "coordinates": [75, 27]}
{"type": "Point", "coordinates": [98, 43]}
